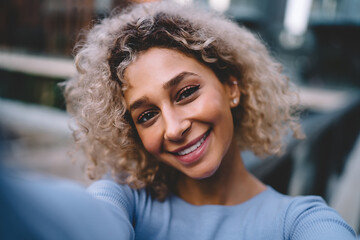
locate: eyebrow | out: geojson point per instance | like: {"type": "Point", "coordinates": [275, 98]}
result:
{"type": "Point", "coordinates": [172, 82]}
{"type": "Point", "coordinates": [138, 103]}
{"type": "Point", "coordinates": [177, 79]}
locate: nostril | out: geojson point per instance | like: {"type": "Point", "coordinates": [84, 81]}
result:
{"type": "Point", "coordinates": [185, 131]}
{"type": "Point", "coordinates": [178, 133]}
{"type": "Point", "coordinates": [175, 127]}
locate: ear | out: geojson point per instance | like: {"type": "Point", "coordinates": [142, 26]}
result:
{"type": "Point", "coordinates": [233, 91]}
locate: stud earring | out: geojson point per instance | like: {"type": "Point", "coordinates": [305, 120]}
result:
{"type": "Point", "coordinates": [235, 101]}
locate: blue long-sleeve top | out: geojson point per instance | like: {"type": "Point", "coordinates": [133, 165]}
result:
{"type": "Point", "coordinates": [268, 215]}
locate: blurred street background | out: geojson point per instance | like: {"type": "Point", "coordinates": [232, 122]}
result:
{"type": "Point", "coordinates": [317, 41]}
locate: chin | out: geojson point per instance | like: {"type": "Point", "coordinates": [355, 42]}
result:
{"type": "Point", "coordinates": [203, 174]}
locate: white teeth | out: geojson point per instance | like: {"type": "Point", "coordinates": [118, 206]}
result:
{"type": "Point", "coordinates": [193, 147]}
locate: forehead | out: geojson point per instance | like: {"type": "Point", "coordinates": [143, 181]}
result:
{"type": "Point", "coordinates": [157, 65]}
{"type": "Point", "coordinates": [153, 69]}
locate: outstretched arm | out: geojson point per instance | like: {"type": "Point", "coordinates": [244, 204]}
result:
{"type": "Point", "coordinates": [43, 208]}
{"type": "Point", "coordinates": [310, 218]}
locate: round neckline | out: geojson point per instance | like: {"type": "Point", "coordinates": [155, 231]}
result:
{"type": "Point", "coordinates": [177, 199]}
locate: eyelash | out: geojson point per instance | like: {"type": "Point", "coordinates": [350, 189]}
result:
{"type": "Point", "coordinates": [182, 94]}
{"type": "Point", "coordinates": [186, 92]}
{"type": "Point", "coordinates": [140, 119]}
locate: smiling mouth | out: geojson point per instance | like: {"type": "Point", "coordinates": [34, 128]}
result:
{"type": "Point", "coordinates": [193, 147]}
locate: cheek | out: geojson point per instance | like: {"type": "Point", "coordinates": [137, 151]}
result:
{"type": "Point", "coordinates": [216, 107]}
{"type": "Point", "coordinates": [151, 141]}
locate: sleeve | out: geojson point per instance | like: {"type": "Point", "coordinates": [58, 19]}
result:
{"type": "Point", "coordinates": [118, 198]}
{"type": "Point", "coordinates": [310, 218]}
{"type": "Point", "coordinates": [38, 207]}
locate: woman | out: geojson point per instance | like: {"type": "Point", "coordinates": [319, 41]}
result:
{"type": "Point", "coordinates": [166, 98]}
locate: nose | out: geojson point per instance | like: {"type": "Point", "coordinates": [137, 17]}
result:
{"type": "Point", "coordinates": [175, 125]}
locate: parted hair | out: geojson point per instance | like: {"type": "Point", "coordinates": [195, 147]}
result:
{"type": "Point", "coordinates": [95, 99]}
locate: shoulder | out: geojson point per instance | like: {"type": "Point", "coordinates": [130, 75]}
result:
{"type": "Point", "coordinates": [309, 217]}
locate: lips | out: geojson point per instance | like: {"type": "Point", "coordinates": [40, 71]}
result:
{"type": "Point", "coordinates": [192, 151]}
{"type": "Point", "coordinates": [192, 146]}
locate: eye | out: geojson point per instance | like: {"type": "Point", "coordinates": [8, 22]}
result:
{"type": "Point", "coordinates": [146, 116]}
{"type": "Point", "coordinates": [186, 92]}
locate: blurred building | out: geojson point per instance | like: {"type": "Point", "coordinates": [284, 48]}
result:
{"type": "Point", "coordinates": [48, 26]}
{"type": "Point", "coordinates": [325, 53]}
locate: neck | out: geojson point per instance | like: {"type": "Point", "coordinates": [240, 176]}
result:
{"type": "Point", "coordinates": [231, 184]}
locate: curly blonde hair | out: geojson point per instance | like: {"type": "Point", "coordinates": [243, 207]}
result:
{"type": "Point", "coordinates": [95, 96]}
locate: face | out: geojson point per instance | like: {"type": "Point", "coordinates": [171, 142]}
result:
{"type": "Point", "coordinates": [182, 112]}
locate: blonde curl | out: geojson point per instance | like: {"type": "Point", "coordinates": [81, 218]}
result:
{"type": "Point", "coordinates": [104, 129]}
